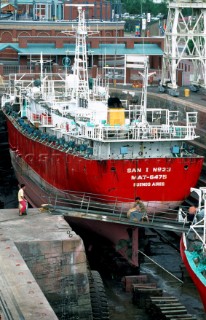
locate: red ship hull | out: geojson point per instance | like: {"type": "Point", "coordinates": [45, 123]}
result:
{"type": "Point", "coordinates": [197, 278]}
{"type": "Point", "coordinates": [123, 237]}
{"type": "Point", "coordinates": [165, 182]}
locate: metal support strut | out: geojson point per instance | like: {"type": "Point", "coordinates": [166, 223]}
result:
{"type": "Point", "coordinates": [185, 38]}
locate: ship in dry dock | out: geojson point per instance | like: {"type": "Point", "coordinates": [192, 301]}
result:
{"type": "Point", "coordinates": [67, 138]}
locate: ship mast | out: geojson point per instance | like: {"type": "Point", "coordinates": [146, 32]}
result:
{"type": "Point", "coordinates": [145, 76]}
{"type": "Point", "coordinates": [189, 34]}
{"type": "Point", "coordinates": [80, 92]}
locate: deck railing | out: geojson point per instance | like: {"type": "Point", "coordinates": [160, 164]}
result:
{"type": "Point", "coordinates": [112, 210]}
{"type": "Point", "coordinates": [151, 132]}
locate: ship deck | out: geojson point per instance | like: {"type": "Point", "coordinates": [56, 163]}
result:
{"type": "Point", "coordinates": [195, 101]}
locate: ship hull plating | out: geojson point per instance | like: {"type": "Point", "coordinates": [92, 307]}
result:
{"type": "Point", "coordinates": [160, 182]}
{"type": "Point", "coordinates": [198, 279]}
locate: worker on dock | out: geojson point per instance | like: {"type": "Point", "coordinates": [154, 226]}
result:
{"type": "Point", "coordinates": [22, 201]}
{"type": "Point", "coordinates": [138, 211]}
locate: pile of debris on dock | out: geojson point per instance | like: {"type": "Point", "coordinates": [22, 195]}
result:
{"type": "Point", "coordinates": [146, 295]}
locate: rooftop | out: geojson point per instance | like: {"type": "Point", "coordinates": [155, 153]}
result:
{"type": "Point", "coordinates": [104, 49]}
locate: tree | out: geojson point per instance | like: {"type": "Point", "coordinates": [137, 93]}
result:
{"type": "Point", "coordinates": [140, 6]}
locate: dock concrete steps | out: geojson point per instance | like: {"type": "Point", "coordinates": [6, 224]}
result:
{"type": "Point", "coordinates": [167, 308]}
{"type": "Point", "coordinates": [147, 295]}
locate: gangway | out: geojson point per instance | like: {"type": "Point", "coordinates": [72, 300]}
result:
{"type": "Point", "coordinates": [106, 214]}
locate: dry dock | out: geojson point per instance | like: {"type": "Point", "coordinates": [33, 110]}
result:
{"type": "Point", "coordinates": [42, 268]}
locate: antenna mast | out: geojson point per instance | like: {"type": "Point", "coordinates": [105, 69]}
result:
{"type": "Point", "coordinates": [144, 62]}
{"type": "Point", "coordinates": [80, 71]}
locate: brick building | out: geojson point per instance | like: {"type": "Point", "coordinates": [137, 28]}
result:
{"type": "Point", "coordinates": [25, 37]}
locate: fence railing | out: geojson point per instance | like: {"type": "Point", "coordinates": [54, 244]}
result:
{"type": "Point", "coordinates": [9, 69]}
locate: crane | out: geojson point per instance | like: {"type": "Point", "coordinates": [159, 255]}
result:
{"type": "Point", "coordinates": [185, 29]}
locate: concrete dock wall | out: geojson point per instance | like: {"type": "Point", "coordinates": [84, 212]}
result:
{"type": "Point", "coordinates": [60, 269]}
{"type": "Point", "coordinates": [43, 268]}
